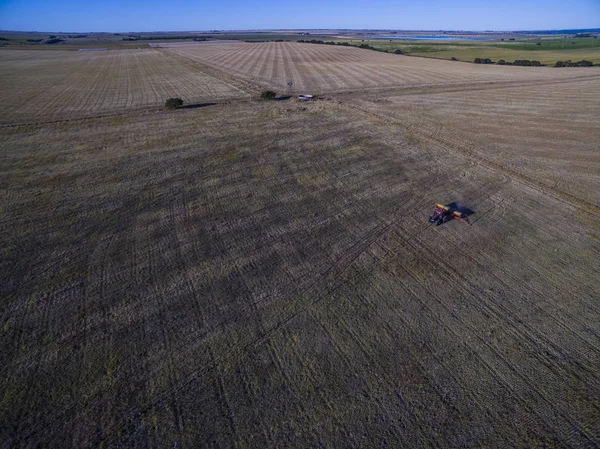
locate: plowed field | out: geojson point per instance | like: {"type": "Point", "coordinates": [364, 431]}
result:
{"type": "Point", "coordinates": [43, 85]}
{"type": "Point", "coordinates": [263, 275]}
{"type": "Point", "coordinates": [546, 132]}
{"type": "Point", "coordinates": [325, 68]}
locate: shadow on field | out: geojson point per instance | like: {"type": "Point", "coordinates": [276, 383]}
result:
{"type": "Point", "coordinates": [197, 105]}
{"type": "Point", "coordinates": [460, 208]}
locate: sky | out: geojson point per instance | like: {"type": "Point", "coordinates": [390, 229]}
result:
{"type": "Point", "coordinates": [201, 15]}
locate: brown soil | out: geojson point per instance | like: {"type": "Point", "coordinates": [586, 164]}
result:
{"type": "Point", "coordinates": [262, 274]}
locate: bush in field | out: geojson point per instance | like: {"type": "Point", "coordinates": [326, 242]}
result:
{"type": "Point", "coordinates": [173, 103]}
{"type": "Point", "coordinates": [268, 94]}
{"type": "Point", "coordinates": [398, 52]}
{"type": "Point", "coordinates": [502, 62]}
{"type": "Point", "coordinates": [54, 41]}
{"type": "Point", "coordinates": [527, 63]}
{"type": "Point", "coordinates": [483, 61]}
{"type": "Point", "coordinates": [582, 63]}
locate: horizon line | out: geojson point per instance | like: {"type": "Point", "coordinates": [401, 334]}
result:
{"type": "Point", "coordinates": [309, 29]}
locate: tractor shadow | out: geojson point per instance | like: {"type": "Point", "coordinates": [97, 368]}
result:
{"type": "Point", "coordinates": [460, 208]}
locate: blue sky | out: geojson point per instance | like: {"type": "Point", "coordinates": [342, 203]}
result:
{"type": "Point", "coordinates": [182, 15]}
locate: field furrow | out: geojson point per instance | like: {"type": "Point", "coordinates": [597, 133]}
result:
{"type": "Point", "coordinates": [78, 84]}
{"type": "Point", "coordinates": [349, 68]}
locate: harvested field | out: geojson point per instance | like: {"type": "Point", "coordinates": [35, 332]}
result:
{"type": "Point", "coordinates": [263, 275]}
{"type": "Point", "coordinates": [325, 68]}
{"type": "Point", "coordinates": [44, 86]}
{"type": "Point", "coordinates": [546, 132]}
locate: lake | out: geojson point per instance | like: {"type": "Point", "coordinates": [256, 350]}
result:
{"type": "Point", "coordinates": [416, 37]}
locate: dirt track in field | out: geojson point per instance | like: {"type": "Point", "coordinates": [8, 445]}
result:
{"type": "Point", "coordinates": [262, 274]}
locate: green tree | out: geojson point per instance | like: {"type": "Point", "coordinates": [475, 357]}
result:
{"type": "Point", "coordinates": [268, 95]}
{"type": "Point", "coordinates": [173, 103]}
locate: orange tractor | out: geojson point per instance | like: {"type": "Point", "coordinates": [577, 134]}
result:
{"type": "Point", "coordinates": [442, 214]}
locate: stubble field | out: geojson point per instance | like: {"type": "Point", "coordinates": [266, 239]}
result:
{"type": "Point", "coordinates": [545, 132]}
{"type": "Point", "coordinates": [39, 85]}
{"type": "Point", "coordinates": [262, 274]}
{"type": "Point", "coordinates": [325, 68]}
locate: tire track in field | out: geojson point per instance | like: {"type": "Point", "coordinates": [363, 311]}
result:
{"type": "Point", "coordinates": [547, 230]}
{"type": "Point", "coordinates": [541, 227]}
{"type": "Point", "coordinates": [524, 379]}
{"type": "Point", "coordinates": [423, 370]}
{"type": "Point", "coordinates": [177, 208]}
{"type": "Point", "coordinates": [408, 417]}
{"type": "Point", "coordinates": [95, 286]}
{"type": "Point", "coordinates": [508, 287]}
{"type": "Point", "coordinates": [391, 253]}
{"type": "Point", "coordinates": [444, 142]}
{"type": "Point", "coordinates": [242, 348]}
{"type": "Point", "coordinates": [289, 382]}
{"type": "Point", "coordinates": [532, 126]}
{"type": "Point", "coordinates": [504, 376]}
{"type": "Point", "coordinates": [497, 201]}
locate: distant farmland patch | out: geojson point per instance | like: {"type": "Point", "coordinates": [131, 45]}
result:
{"type": "Point", "coordinates": [333, 68]}
{"type": "Point", "coordinates": [38, 85]}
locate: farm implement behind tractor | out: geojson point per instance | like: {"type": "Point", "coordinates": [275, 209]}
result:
{"type": "Point", "coordinates": [442, 214]}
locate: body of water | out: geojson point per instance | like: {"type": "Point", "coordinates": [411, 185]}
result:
{"type": "Point", "coordinates": [416, 37]}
